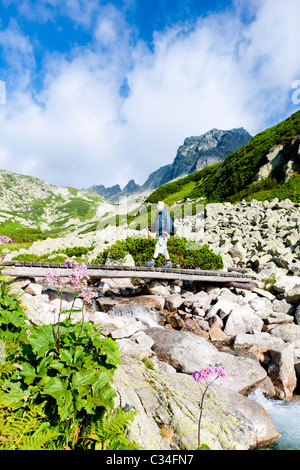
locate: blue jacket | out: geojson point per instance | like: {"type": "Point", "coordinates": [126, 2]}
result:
{"type": "Point", "coordinates": [162, 223]}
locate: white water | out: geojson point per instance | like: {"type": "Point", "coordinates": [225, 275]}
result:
{"type": "Point", "coordinates": [132, 313]}
{"type": "Point", "coordinates": [285, 415]}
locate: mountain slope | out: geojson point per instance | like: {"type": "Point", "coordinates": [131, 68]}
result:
{"type": "Point", "coordinates": [270, 160]}
{"type": "Point", "coordinates": [195, 153]}
{"type": "Point", "coordinates": [198, 152]}
{"type": "Point", "coordinates": [114, 193]}
{"type": "Point", "coordinates": [31, 208]}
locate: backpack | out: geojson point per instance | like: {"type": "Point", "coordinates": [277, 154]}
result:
{"type": "Point", "coordinates": [172, 227]}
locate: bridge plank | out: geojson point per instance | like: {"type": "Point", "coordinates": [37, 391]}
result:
{"type": "Point", "coordinates": [24, 271]}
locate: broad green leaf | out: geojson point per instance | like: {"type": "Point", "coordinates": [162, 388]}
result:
{"type": "Point", "coordinates": [105, 398]}
{"type": "Point", "coordinates": [96, 340]}
{"type": "Point", "coordinates": [55, 387]}
{"type": "Point", "coordinates": [57, 365]}
{"type": "Point", "coordinates": [66, 357]}
{"type": "Point", "coordinates": [42, 340]}
{"type": "Point", "coordinates": [111, 349]}
{"type": "Point", "coordinates": [28, 372]}
{"type": "Point", "coordinates": [11, 316]}
{"type": "Point", "coordinates": [79, 402]}
{"type": "Point", "coordinates": [102, 380]}
{"type": "Point", "coordinates": [85, 377]}
{"type": "Point", "coordinates": [8, 301]}
{"type": "Point", "coordinates": [203, 447]}
{"type": "Point", "coordinates": [79, 354]}
{"type": "Point", "coordinates": [90, 407]}
{"type": "Point", "coordinates": [66, 406]}
{"type": "Point", "coordinates": [4, 317]}
{"type": "Point", "coordinates": [14, 392]}
{"type": "Point", "coordinates": [43, 366]}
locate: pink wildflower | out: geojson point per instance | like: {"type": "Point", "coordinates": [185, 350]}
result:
{"type": "Point", "coordinates": [70, 263]}
{"type": "Point", "coordinates": [203, 374]}
{"type": "Point", "coordinates": [5, 239]}
{"type": "Point", "coordinates": [206, 372]}
{"type": "Point", "coordinates": [220, 371]}
{"type": "Point", "coordinates": [79, 277]}
{"type": "Point", "coordinates": [52, 279]}
{"type": "Point", "coordinates": [88, 295]}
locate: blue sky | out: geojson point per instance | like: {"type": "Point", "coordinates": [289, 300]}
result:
{"type": "Point", "coordinates": [100, 92]}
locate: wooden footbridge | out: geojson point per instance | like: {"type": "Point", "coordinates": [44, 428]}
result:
{"type": "Point", "coordinates": [236, 278]}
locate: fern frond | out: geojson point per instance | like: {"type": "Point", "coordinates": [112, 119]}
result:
{"type": "Point", "coordinates": [114, 423]}
{"type": "Point", "coordinates": [25, 431]}
{"type": "Point", "coordinates": [6, 369]}
{"type": "Point", "coordinates": [39, 440]}
{"type": "Point", "coordinates": [109, 432]}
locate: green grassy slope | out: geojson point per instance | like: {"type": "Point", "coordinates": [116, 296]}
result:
{"type": "Point", "coordinates": [31, 209]}
{"type": "Point", "coordinates": [232, 179]}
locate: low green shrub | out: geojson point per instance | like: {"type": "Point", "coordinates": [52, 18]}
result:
{"type": "Point", "coordinates": [76, 251]}
{"type": "Point", "coordinates": [199, 257]}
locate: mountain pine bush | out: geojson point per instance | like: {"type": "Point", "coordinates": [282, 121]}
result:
{"type": "Point", "coordinates": [138, 248]}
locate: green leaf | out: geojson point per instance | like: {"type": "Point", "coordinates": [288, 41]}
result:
{"type": "Point", "coordinates": [43, 366]}
{"type": "Point", "coordinates": [203, 447]}
{"type": "Point", "coordinates": [28, 372]}
{"type": "Point", "coordinates": [79, 354]}
{"type": "Point", "coordinates": [14, 392]}
{"type": "Point", "coordinates": [96, 340]}
{"type": "Point", "coordinates": [106, 397]}
{"type": "Point", "coordinates": [66, 406]}
{"type": "Point", "coordinates": [42, 340]}
{"type": "Point", "coordinates": [4, 317]}
{"type": "Point", "coordinates": [12, 317]}
{"type": "Point", "coordinates": [102, 380]}
{"type": "Point", "coordinates": [89, 407]}
{"type": "Point", "coordinates": [66, 357]}
{"type": "Point", "coordinates": [8, 301]}
{"type": "Point", "coordinates": [58, 365]}
{"type": "Point", "coordinates": [79, 402]}
{"type": "Point", "coordinates": [85, 377]}
{"type": "Point", "coordinates": [55, 387]}
{"type": "Point", "coordinates": [111, 349]}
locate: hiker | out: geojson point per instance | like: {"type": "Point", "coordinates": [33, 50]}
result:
{"type": "Point", "coordinates": [163, 227]}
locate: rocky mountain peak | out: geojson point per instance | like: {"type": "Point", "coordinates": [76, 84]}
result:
{"type": "Point", "coordinates": [195, 153]}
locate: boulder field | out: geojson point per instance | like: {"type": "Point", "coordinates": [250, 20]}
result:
{"type": "Point", "coordinates": [167, 330]}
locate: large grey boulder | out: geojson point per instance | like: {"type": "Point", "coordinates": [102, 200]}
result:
{"type": "Point", "coordinates": [167, 406]}
{"type": "Point", "coordinates": [242, 320]}
{"type": "Point", "coordinates": [188, 352]}
{"type": "Point", "coordinates": [289, 332]}
{"type": "Point", "coordinates": [263, 339]}
{"type": "Point", "coordinates": [282, 371]}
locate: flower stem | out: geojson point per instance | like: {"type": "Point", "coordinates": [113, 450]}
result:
{"type": "Point", "coordinates": [58, 333]}
{"type": "Point", "coordinates": [201, 408]}
{"type": "Point", "coordinates": [81, 328]}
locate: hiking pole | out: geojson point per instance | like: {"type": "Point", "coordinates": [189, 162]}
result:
{"type": "Point", "coordinates": [149, 244]}
{"type": "Point", "coordinates": [176, 252]}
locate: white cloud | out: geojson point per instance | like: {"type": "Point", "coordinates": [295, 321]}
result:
{"type": "Point", "coordinates": [218, 72]}
{"type": "Point", "coordinates": [72, 136]}
{"type": "Point", "coordinates": [18, 54]}
{"type": "Point", "coordinates": [42, 11]}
